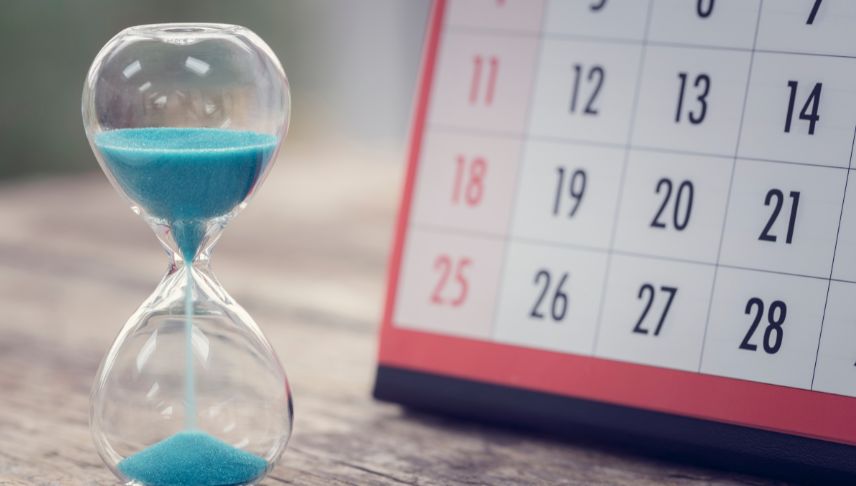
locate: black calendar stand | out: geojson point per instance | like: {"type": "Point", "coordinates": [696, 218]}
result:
{"type": "Point", "coordinates": [661, 435]}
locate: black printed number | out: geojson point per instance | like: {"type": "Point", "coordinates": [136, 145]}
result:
{"type": "Point", "coordinates": [773, 334]}
{"type": "Point", "coordinates": [576, 189]}
{"type": "Point", "coordinates": [597, 6]}
{"type": "Point", "coordinates": [813, 13]}
{"type": "Point", "coordinates": [681, 204]}
{"type": "Point", "coordinates": [559, 300]}
{"type": "Point", "coordinates": [779, 197]}
{"type": "Point", "coordinates": [593, 77]}
{"type": "Point", "coordinates": [648, 294]}
{"type": "Point", "coordinates": [704, 8]}
{"type": "Point", "coordinates": [701, 85]}
{"type": "Point", "coordinates": [809, 109]}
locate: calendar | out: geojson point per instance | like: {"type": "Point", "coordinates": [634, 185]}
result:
{"type": "Point", "coordinates": [634, 216]}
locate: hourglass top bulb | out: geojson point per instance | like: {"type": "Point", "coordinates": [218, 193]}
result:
{"type": "Point", "coordinates": [186, 176]}
{"type": "Point", "coordinates": [185, 120]}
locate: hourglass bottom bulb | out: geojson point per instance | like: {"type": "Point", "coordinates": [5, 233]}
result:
{"type": "Point", "coordinates": [193, 458]}
{"type": "Point", "coordinates": [191, 393]}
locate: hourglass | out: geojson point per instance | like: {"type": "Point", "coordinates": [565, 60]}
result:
{"type": "Point", "coordinates": [186, 121]}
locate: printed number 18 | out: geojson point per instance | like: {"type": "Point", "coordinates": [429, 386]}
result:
{"type": "Point", "coordinates": [469, 185]}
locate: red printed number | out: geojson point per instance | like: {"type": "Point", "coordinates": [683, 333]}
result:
{"type": "Point", "coordinates": [450, 290]}
{"type": "Point", "coordinates": [482, 90]}
{"type": "Point", "coordinates": [469, 184]}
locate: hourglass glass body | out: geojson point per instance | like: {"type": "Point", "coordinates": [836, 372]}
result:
{"type": "Point", "coordinates": [186, 121]}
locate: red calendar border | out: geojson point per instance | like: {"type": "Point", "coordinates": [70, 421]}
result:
{"type": "Point", "coordinates": [776, 408]}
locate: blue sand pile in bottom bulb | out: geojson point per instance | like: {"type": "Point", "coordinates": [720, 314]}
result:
{"type": "Point", "coordinates": [192, 458]}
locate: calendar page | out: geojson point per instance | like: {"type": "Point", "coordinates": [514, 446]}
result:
{"type": "Point", "coordinates": [636, 203]}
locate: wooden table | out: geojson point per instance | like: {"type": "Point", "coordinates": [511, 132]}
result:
{"type": "Point", "coordinates": [307, 260]}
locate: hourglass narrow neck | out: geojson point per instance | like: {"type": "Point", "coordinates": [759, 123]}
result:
{"type": "Point", "coordinates": [200, 263]}
{"type": "Point", "coordinates": [188, 242]}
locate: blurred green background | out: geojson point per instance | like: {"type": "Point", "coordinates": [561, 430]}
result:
{"type": "Point", "coordinates": [352, 68]}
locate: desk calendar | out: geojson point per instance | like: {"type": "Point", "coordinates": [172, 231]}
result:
{"type": "Point", "coordinates": [634, 216]}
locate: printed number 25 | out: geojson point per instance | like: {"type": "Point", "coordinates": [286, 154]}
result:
{"type": "Point", "coordinates": [444, 293]}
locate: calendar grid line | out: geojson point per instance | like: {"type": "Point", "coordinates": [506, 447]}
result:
{"type": "Point", "coordinates": [507, 236]}
{"type": "Point", "coordinates": [513, 226]}
{"type": "Point", "coordinates": [832, 263]}
{"type": "Point", "coordinates": [459, 29]}
{"type": "Point", "coordinates": [449, 230]}
{"type": "Point", "coordinates": [730, 186]}
{"type": "Point", "coordinates": [643, 148]}
{"type": "Point", "coordinates": [633, 109]}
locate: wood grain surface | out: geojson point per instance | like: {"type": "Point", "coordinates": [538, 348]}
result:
{"type": "Point", "coordinates": [307, 260]}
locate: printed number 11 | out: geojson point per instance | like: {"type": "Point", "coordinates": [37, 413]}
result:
{"type": "Point", "coordinates": [476, 82]}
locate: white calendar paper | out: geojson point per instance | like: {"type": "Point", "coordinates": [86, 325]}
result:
{"type": "Point", "coordinates": [663, 183]}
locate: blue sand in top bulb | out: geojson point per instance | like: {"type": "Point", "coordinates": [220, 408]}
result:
{"type": "Point", "coordinates": [192, 458]}
{"type": "Point", "coordinates": [186, 176]}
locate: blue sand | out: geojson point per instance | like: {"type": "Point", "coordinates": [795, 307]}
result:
{"type": "Point", "coordinates": [192, 458]}
{"type": "Point", "coordinates": [186, 176]}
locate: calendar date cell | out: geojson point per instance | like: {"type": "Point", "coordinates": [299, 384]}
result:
{"type": "Point", "coordinates": [466, 182]}
{"type": "Point", "coordinates": [512, 15]}
{"type": "Point", "coordinates": [567, 193]}
{"type": "Point", "coordinates": [764, 327]}
{"type": "Point", "coordinates": [809, 26]}
{"type": "Point", "coordinates": [783, 217]}
{"type": "Point", "coordinates": [691, 99]}
{"type": "Point", "coordinates": [836, 360]}
{"type": "Point", "coordinates": [844, 267]}
{"type": "Point", "coordinates": [448, 283]}
{"type": "Point", "coordinates": [654, 312]}
{"type": "Point", "coordinates": [610, 19]}
{"type": "Point", "coordinates": [702, 22]}
{"type": "Point", "coordinates": [584, 91]}
{"type": "Point", "coordinates": [483, 82]}
{"type": "Point", "coordinates": [673, 205]}
{"type": "Point", "coordinates": [550, 297]}
{"type": "Point", "coordinates": [800, 109]}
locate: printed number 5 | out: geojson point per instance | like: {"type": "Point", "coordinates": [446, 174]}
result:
{"type": "Point", "coordinates": [444, 265]}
